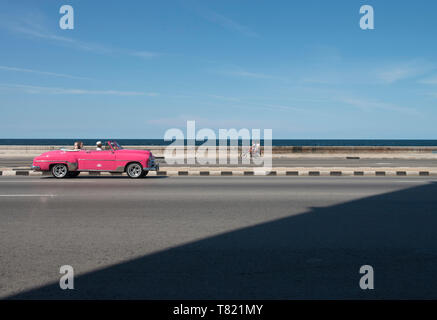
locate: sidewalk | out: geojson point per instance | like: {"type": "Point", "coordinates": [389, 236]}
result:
{"type": "Point", "coordinates": [260, 171]}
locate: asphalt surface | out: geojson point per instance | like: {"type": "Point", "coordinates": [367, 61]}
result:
{"type": "Point", "coordinates": [306, 162]}
{"type": "Point", "coordinates": [218, 237]}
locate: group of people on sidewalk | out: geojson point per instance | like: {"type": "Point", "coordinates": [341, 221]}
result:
{"type": "Point", "coordinates": [255, 150]}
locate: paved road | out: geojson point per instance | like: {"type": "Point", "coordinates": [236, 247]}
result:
{"type": "Point", "coordinates": [218, 237]}
{"type": "Point", "coordinates": [309, 162]}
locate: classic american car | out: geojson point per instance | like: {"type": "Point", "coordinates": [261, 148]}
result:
{"type": "Point", "coordinates": [113, 158]}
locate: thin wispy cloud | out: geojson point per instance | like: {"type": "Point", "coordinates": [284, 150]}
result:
{"type": "Point", "coordinates": [224, 98]}
{"type": "Point", "coordinates": [30, 31]}
{"type": "Point", "coordinates": [369, 106]}
{"type": "Point", "coordinates": [180, 121]}
{"type": "Point", "coordinates": [46, 73]}
{"type": "Point", "coordinates": [322, 79]}
{"type": "Point", "coordinates": [430, 81]}
{"type": "Point", "coordinates": [226, 22]}
{"type": "Point", "coordinates": [145, 54]}
{"type": "Point", "coordinates": [247, 74]}
{"type": "Point", "coordinates": [230, 24]}
{"type": "Point", "coordinates": [403, 71]}
{"type": "Point", "coordinates": [241, 73]}
{"type": "Point", "coordinates": [37, 30]}
{"type": "Point", "coordinates": [396, 74]}
{"type": "Point", "coordinates": [252, 105]}
{"type": "Point", "coordinates": [283, 107]}
{"type": "Point", "coordinates": [28, 89]}
{"type": "Point", "coordinates": [86, 46]}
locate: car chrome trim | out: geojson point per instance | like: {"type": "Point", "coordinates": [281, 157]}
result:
{"type": "Point", "coordinates": [152, 168]}
{"type": "Point", "coordinates": [94, 170]}
{"type": "Point", "coordinates": [96, 160]}
{"type": "Point", "coordinates": [105, 160]}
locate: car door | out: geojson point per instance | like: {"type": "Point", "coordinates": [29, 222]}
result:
{"type": "Point", "coordinates": [97, 160]}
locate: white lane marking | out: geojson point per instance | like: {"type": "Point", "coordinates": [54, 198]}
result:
{"type": "Point", "coordinates": [384, 163]}
{"type": "Point", "coordinates": [27, 195]}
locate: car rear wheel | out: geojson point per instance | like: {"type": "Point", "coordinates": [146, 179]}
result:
{"type": "Point", "coordinates": [134, 170]}
{"type": "Point", "coordinates": [60, 171]}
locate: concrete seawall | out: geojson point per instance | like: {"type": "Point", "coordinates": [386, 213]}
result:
{"type": "Point", "coordinates": [277, 150]}
{"type": "Point", "coordinates": [353, 149]}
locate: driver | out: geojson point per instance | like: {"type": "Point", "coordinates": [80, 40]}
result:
{"type": "Point", "coordinates": [99, 146]}
{"type": "Point", "coordinates": [78, 145]}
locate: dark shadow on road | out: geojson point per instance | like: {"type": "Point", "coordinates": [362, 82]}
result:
{"type": "Point", "coordinates": [316, 254]}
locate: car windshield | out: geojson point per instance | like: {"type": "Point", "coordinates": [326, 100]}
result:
{"type": "Point", "coordinates": [115, 146]}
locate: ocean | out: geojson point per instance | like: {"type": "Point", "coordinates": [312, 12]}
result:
{"type": "Point", "coordinates": [275, 142]}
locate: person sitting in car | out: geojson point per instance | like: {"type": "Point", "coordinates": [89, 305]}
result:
{"type": "Point", "coordinates": [99, 146]}
{"type": "Point", "coordinates": [78, 145]}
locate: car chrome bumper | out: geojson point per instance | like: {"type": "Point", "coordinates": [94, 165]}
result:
{"type": "Point", "coordinates": [36, 168]}
{"type": "Point", "coordinates": [152, 167]}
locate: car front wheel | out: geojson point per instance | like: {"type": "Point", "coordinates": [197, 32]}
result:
{"type": "Point", "coordinates": [134, 170]}
{"type": "Point", "coordinates": [60, 171]}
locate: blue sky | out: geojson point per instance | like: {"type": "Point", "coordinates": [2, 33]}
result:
{"type": "Point", "coordinates": [133, 69]}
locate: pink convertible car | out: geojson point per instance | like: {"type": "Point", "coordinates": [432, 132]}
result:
{"type": "Point", "coordinates": [69, 163]}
